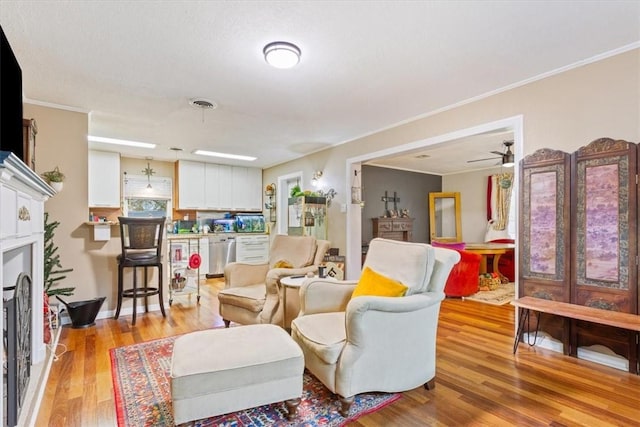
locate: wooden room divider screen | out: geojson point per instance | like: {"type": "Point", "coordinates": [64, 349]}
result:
{"type": "Point", "coordinates": [578, 239]}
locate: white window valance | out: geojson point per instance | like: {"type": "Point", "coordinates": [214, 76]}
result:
{"type": "Point", "coordinates": [137, 186]}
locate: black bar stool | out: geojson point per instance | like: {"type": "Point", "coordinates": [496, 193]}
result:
{"type": "Point", "coordinates": [141, 247]}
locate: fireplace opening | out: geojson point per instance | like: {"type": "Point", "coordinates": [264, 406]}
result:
{"type": "Point", "coordinates": [17, 330]}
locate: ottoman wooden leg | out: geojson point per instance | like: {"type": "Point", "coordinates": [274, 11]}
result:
{"type": "Point", "coordinates": [292, 407]}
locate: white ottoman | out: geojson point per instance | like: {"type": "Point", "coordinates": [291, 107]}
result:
{"type": "Point", "coordinates": [219, 371]}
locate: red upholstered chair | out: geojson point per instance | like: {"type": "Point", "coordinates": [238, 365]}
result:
{"type": "Point", "coordinates": [506, 263]}
{"type": "Point", "coordinates": [464, 277]}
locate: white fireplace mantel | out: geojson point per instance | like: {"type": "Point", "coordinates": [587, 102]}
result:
{"type": "Point", "coordinates": [22, 197]}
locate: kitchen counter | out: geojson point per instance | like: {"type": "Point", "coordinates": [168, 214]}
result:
{"type": "Point", "coordinates": [194, 235]}
{"type": "Point", "coordinates": [173, 236]}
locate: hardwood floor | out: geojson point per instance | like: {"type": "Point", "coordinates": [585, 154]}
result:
{"type": "Point", "coordinates": [479, 381]}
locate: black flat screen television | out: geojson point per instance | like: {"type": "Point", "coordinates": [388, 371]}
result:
{"type": "Point", "coordinates": [11, 138]}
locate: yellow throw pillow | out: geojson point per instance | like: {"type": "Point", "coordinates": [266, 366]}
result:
{"type": "Point", "coordinates": [283, 263]}
{"type": "Point", "coordinates": [375, 284]}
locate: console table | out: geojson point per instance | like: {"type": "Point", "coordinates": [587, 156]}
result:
{"type": "Point", "coordinates": [393, 228]}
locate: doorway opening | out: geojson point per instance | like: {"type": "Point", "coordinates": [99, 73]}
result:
{"type": "Point", "coordinates": [354, 211]}
{"type": "Point", "coordinates": [283, 189]}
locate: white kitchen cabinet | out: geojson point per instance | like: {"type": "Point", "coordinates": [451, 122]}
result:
{"type": "Point", "coordinates": [191, 189]}
{"type": "Point", "coordinates": [217, 187]}
{"type": "Point", "coordinates": [247, 188]}
{"type": "Point", "coordinates": [104, 179]}
{"type": "Point", "coordinates": [226, 189]}
{"type": "Point", "coordinates": [254, 189]}
{"type": "Point", "coordinates": [209, 186]}
{"type": "Point", "coordinates": [252, 248]}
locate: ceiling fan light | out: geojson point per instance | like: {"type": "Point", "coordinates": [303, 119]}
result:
{"type": "Point", "coordinates": [282, 54]}
{"type": "Point", "coordinates": [508, 160]}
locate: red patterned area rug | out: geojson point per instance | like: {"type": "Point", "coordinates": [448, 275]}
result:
{"type": "Point", "coordinates": [141, 386]}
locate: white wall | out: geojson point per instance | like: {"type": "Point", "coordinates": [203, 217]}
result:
{"type": "Point", "coordinates": [564, 112]}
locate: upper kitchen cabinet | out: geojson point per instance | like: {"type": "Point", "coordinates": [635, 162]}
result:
{"type": "Point", "coordinates": [247, 188]}
{"type": "Point", "coordinates": [209, 186]}
{"type": "Point", "coordinates": [217, 188]}
{"type": "Point", "coordinates": [104, 179]}
{"type": "Point", "coordinates": [190, 177]}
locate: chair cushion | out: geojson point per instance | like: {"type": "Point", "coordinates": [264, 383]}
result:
{"type": "Point", "coordinates": [251, 297]}
{"type": "Point", "coordinates": [324, 334]}
{"type": "Point", "coordinates": [376, 284]}
{"type": "Point", "coordinates": [409, 263]}
{"type": "Point", "coordinates": [139, 258]}
{"type": "Point", "coordinates": [299, 251]}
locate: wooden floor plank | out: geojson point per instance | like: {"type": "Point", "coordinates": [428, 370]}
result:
{"type": "Point", "coordinates": [479, 381]}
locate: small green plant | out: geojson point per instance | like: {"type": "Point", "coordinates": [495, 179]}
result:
{"type": "Point", "coordinates": [52, 261]}
{"type": "Point", "coordinates": [296, 191]}
{"type": "Point", "coordinates": [54, 175]}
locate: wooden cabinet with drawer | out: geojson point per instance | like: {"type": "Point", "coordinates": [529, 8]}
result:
{"type": "Point", "coordinates": [393, 228]}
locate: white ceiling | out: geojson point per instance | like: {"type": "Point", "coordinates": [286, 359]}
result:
{"type": "Point", "coordinates": [365, 66]}
{"type": "Point", "coordinates": [466, 154]}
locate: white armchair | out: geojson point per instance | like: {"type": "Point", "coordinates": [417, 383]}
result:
{"type": "Point", "coordinates": [252, 293]}
{"type": "Point", "coordinates": [373, 343]}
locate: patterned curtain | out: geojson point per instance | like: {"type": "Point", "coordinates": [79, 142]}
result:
{"type": "Point", "coordinates": [501, 186]}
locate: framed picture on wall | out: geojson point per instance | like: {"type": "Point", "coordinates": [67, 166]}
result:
{"type": "Point", "coordinates": [29, 131]}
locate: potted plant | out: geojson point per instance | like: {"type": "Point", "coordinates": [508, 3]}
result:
{"type": "Point", "coordinates": [54, 178]}
{"type": "Point", "coordinates": [53, 274]}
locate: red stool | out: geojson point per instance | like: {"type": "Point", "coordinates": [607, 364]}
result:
{"type": "Point", "coordinates": [463, 279]}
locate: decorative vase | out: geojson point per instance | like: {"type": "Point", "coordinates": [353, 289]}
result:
{"type": "Point", "coordinates": [56, 186]}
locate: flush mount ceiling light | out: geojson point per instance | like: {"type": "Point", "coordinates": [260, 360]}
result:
{"type": "Point", "coordinates": [120, 142]}
{"type": "Point", "coordinates": [224, 155]}
{"type": "Point", "coordinates": [281, 54]}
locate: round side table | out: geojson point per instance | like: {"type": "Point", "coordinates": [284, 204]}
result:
{"type": "Point", "coordinates": [291, 282]}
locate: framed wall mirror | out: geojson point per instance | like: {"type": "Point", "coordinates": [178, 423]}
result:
{"type": "Point", "coordinates": [445, 224]}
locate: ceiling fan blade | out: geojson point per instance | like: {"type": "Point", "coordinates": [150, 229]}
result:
{"type": "Point", "coordinates": [482, 160]}
{"type": "Point", "coordinates": [497, 152]}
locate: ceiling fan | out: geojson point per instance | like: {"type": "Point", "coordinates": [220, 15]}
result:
{"type": "Point", "coordinates": [507, 157]}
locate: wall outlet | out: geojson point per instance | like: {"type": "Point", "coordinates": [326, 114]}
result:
{"type": "Point", "coordinates": [343, 207]}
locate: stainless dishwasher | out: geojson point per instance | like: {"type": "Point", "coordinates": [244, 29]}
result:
{"type": "Point", "coordinates": [222, 250]}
